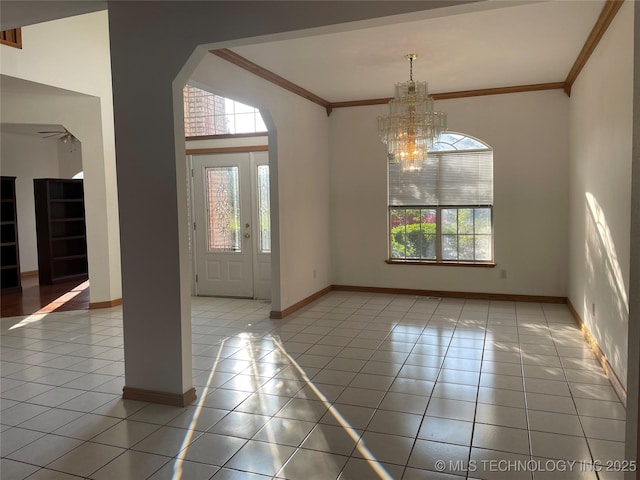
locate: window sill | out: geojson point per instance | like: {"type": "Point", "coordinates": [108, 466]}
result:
{"type": "Point", "coordinates": [441, 264]}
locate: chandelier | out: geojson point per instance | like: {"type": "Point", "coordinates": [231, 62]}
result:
{"type": "Point", "coordinates": [412, 126]}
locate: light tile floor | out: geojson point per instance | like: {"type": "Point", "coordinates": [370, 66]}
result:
{"type": "Point", "coordinates": [355, 386]}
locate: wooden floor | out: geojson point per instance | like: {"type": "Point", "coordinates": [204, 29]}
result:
{"type": "Point", "coordinates": [35, 297]}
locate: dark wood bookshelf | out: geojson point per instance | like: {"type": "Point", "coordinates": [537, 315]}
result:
{"type": "Point", "coordinates": [9, 253]}
{"type": "Point", "coordinates": [61, 230]}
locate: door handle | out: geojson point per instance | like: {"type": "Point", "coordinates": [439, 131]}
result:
{"type": "Point", "coordinates": [247, 235]}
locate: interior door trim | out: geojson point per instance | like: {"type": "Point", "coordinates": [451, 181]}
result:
{"type": "Point", "coordinates": [217, 150]}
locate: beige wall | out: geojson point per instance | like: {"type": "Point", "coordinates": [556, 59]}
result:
{"type": "Point", "coordinates": [79, 113]}
{"type": "Point", "coordinates": [27, 157]}
{"type": "Point", "coordinates": [300, 162]}
{"type": "Point", "coordinates": [70, 159]}
{"type": "Point", "coordinates": [70, 58]}
{"type": "Point", "coordinates": [149, 70]}
{"type": "Point", "coordinates": [631, 440]}
{"type": "Point", "coordinates": [526, 131]}
{"type": "Point", "coordinates": [528, 134]}
{"type": "Point", "coordinates": [600, 186]}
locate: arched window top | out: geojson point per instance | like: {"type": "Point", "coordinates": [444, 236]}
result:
{"type": "Point", "coordinates": [452, 141]}
{"type": "Point", "coordinates": [208, 114]}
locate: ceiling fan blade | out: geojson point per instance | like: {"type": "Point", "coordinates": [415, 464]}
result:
{"type": "Point", "coordinates": [51, 136]}
{"type": "Point", "coordinates": [54, 131]}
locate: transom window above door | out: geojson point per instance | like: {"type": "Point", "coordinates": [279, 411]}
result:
{"type": "Point", "coordinates": [208, 114]}
{"type": "Point", "coordinates": [444, 213]}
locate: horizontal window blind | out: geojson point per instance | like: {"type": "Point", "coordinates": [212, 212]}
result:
{"type": "Point", "coordinates": [447, 178]}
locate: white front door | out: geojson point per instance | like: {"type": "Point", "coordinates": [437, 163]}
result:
{"type": "Point", "coordinates": [229, 220]}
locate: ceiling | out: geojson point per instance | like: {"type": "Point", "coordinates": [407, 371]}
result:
{"type": "Point", "coordinates": [498, 44]}
{"type": "Point", "coordinates": [485, 44]}
{"type": "Point", "coordinates": [32, 129]}
{"type": "Point", "coordinates": [18, 13]}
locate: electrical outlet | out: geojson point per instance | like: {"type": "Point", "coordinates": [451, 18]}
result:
{"type": "Point", "coordinates": [593, 309]}
{"type": "Point", "coordinates": [314, 273]}
{"type": "Point", "coordinates": [503, 273]}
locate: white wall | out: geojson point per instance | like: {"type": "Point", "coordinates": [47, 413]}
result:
{"type": "Point", "coordinates": [527, 132]}
{"type": "Point", "coordinates": [302, 167]}
{"type": "Point", "coordinates": [27, 157]}
{"type": "Point", "coordinates": [600, 139]}
{"type": "Point", "coordinates": [70, 159]}
{"type": "Point", "coordinates": [73, 54]}
{"type": "Point", "coordinates": [78, 113]}
{"type": "Point", "coordinates": [631, 438]}
{"type": "Point", "coordinates": [149, 70]}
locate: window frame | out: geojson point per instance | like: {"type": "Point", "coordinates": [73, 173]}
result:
{"type": "Point", "coordinates": [263, 209]}
{"type": "Point", "coordinates": [213, 232]}
{"type": "Point", "coordinates": [227, 119]}
{"type": "Point", "coordinates": [438, 208]}
{"type": "Point", "coordinates": [439, 260]}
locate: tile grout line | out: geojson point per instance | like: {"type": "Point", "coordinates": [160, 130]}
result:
{"type": "Point", "coordinates": [573, 400]}
{"type": "Point", "coordinates": [475, 410]}
{"type": "Point", "coordinates": [435, 383]}
{"type": "Point", "coordinates": [267, 327]}
{"type": "Point", "coordinates": [524, 391]}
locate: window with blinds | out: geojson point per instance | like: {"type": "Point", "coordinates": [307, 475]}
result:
{"type": "Point", "coordinates": [444, 213]}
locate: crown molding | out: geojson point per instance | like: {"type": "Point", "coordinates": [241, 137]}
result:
{"type": "Point", "coordinates": [607, 15]}
{"type": "Point", "coordinates": [461, 94]}
{"type": "Point", "coordinates": [605, 18]}
{"type": "Point", "coordinates": [499, 90]}
{"type": "Point", "coordinates": [268, 75]}
{"type": "Point", "coordinates": [361, 103]}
